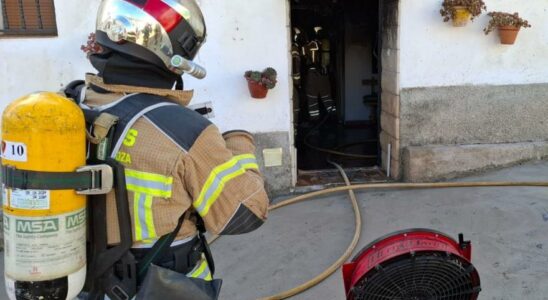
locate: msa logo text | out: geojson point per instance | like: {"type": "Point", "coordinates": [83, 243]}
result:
{"type": "Point", "coordinates": [76, 220]}
{"type": "Point", "coordinates": [41, 226]}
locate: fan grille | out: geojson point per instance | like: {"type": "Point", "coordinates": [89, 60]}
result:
{"type": "Point", "coordinates": [420, 276]}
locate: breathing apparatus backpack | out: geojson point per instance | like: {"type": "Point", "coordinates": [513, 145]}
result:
{"type": "Point", "coordinates": [114, 271]}
{"type": "Point", "coordinates": [46, 180]}
{"type": "Point", "coordinates": [45, 183]}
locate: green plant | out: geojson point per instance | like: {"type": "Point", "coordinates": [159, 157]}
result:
{"type": "Point", "coordinates": [473, 6]}
{"type": "Point", "coordinates": [92, 47]}
{"type": "Point", "coordinates": [499, 19]}
{"type": "Point", "coordinates": [268, 77]}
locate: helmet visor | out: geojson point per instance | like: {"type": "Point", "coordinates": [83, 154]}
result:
{"type": "Point", "coordinates": [125, 22]}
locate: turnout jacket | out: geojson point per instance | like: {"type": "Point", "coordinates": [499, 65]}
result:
{"type": "Point", "coordinates": [178, 161]}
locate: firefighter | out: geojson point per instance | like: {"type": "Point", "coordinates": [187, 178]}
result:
{"type": "Point", "coordinates": [296, 75]}
{"type": "Point", "coordinates": [317, 83]}
{"type": "Point", "coordinates": [182, 175]}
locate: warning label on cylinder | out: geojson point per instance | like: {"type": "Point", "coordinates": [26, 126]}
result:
{"type": "Point", "coordinates": [44, 248]}
{"type": "Point", "coordinates": [30, 199]}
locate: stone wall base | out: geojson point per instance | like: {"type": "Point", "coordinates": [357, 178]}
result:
{"type": "Point", "coordinates": [434, 163]}
{"type": "Point", "coordinates": [278, 179]}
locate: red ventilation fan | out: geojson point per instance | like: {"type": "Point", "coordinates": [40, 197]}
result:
{"type": "Point", "coordinates": [417, 264]}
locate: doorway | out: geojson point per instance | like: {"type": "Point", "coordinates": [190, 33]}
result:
{"type": "Point", "coordinates": [336, 77]}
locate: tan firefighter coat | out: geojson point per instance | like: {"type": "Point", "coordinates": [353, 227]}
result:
{"type": "Point", "coordinates": [213, 174]}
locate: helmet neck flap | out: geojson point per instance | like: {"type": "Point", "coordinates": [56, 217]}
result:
{"type": "Point", "coordinates": [118, 68]}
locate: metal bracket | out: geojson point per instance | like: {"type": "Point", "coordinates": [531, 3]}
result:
{"type": "Point", "coordinates": [98, 188]}
{"type": "Point", "coordinates": [205, 109]}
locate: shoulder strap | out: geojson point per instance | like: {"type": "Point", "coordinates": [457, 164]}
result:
{"type": "Point", "coordinates": [168, 117]}
{"type": "Point", "coordinates": [129, 109]}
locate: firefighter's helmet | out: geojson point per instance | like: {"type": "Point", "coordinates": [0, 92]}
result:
{"type": "Point", "coordinates": [156, 31]}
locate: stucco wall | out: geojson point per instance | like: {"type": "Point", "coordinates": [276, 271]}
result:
{"type": "Point", "coordinates": [242, 35]}
{"type": "Point", "coordinates": [36, 64]}
{"type": "Point", "coordinates": [238, 39]}
{"type": "Point", "coordinates": [436, 54]}
{"type": "Point", "coordinates": [463, 90]}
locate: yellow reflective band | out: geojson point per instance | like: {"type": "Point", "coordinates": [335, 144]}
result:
{"type": "Point", "coordinates": [218, 178]}
{"type": "Point", "coordinates": [143, 218]}
{"type": "Point", "coordinates": [221, 186]}
{"type": "Point", "coordinates": [149, 219]}
{"type": "Point", "coordinates": [208, 277]}
{"type": "Point", "coordinates": [201, 269]}
{"type": "Point", "coordinates": [149, 176]}
{"type": "Point", "coordinates": [138, 230]}
{"type": "Point", "coordinates": [149, 183]}
{"type": "Point", "coordinates": [219, 169]}
{"type": "Point", "coordinates": [148, 191]}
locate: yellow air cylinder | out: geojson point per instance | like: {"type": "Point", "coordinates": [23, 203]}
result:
{"type": "Point", "coordinates": [44, 230]}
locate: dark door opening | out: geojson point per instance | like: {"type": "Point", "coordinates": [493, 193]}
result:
{"type": "Point", "coordinates": [336, 84]}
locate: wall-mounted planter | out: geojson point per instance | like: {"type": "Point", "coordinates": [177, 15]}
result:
{"type": "Point", "coordinates": [260, 82]}
{"type": "Point", "coordinates": [257, 90]}
{"type": "Point", "coordinates": [461, 16]}
{"type": "Point", "coordinates": [508, 26]}
{"type": "Point", "coordinates": [508, 34]}
{"type": "Point", "coordinates": [461, 11]}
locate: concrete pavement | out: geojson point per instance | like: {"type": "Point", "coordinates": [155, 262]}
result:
{"type": "Point", "coordinates": [508, 228]}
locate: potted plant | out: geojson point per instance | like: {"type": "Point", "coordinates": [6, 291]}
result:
{"type": "Point", "coordinates": [507, 24]}
{"type": "Point", "coordinates": [260, 82]}
{"type": "Point", "coordinates": [460, 11]}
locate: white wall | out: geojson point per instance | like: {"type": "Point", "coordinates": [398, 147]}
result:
{"type": "Point", "coordinates": [36, 64]}
{"type": "Point", "coordinates": [358, 67]}
{"type": "Point", "coordinates": [242, 35]}
{"type": "Point", "coordinates": [434, 53]}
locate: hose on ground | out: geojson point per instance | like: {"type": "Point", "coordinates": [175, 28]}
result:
{"type": "Point", "coordinates": [337, 264]}
{"type": "Point", "coordinates": [380, 186]}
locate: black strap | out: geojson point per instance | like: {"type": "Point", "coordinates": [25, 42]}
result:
{"type": "Point", "coordinates": [100, 278]}
{"type": "Point", "coordinates": [34, 180]}
{"type": "Point", "coordinates": [200, 225]}
{"type": "Point", "coordinates": [132, 106]}
{"type": "Point", "coordinates": [158, 251]}
{"type": "Point", "coordinates": [73, 89]}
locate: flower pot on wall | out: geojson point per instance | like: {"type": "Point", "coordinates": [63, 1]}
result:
{"type": "Point", "coordinates": [508, 34]}
{"type": "Point", "coordinates": [461, 15]}
{"type": "Point", "coordinates": [257, 90]}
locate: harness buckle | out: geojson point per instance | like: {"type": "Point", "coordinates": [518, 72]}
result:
{"type": "Point", "coordinates": [98, 187]}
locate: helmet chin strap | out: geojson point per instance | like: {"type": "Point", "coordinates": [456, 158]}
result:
{"type": "Point", "coordinates": [179, 85]}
